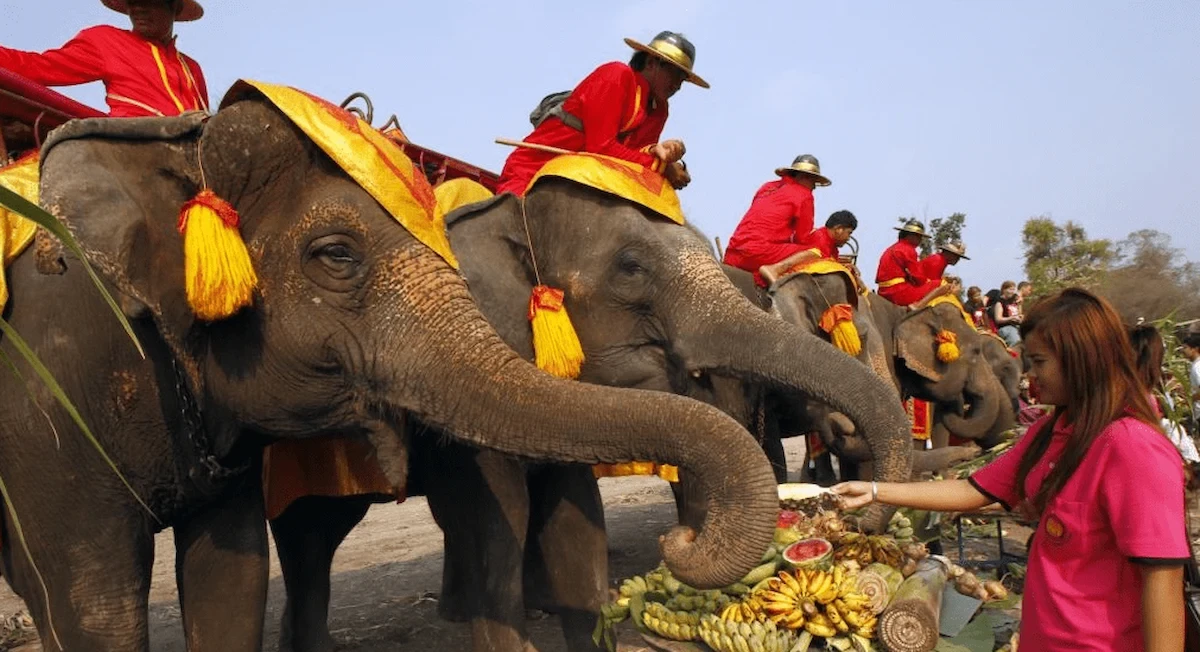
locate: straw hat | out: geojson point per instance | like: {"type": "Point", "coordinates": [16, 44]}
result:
{"type": "Point", "coordinates": [675, 49]}
{"type": "Point", "coordinates": [913, 226]}
{"type": "Point", "coordinates": [806, 164]}
{"type": "Point", "coordinates": [188, 9]}
{"type": "Point", "coordinates": [957, 248]}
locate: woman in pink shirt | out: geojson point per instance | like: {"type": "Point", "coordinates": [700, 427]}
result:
{"type": "Point", "coordinates": [1104, 483]}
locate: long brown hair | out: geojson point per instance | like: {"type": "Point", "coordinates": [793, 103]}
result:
{"type": "Point", "coordinates": [1148, 354]}
{"type": "Point", "coordinates": [1086, 335]}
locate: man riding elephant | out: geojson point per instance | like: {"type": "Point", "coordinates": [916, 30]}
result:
{"type": "Point", "coordinates": [618, 110]}
{"type": "Point", "coordinates": [766, 242]}
{"type": "Point", "coordinates": [144, 74]}
{"type": "Point", "coordinates": [904, 278]}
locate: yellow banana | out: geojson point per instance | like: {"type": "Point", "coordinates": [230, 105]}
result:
{"type": "Point", "coordinates": [791, 582]}
{"type": "Point", "coordinates": [740, 644]}
{"type": "Point", "coordinates": [818, 629]}
{"type": "Point", "coordinates": [794, 620]}
{"type": "Point", "coordinates": [831, 611]}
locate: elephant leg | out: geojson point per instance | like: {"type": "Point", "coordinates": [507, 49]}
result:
{"type": "Point", "coordinates": [87, 593]}
{"type": "Point", "coordinates": [567, 550]}
{"type": "Point", "coordinates": [823, 473]}
{"type": "Point", "coordinates": [940, 436]}
{"type": "Point", "coordinates": [481, 502]}
{"type": "Point", "coordinates": [221, 568]}
{"type": "Point", "coordinates": [773, 446]}
{"type": "Point", "coordinates": [307, 534]}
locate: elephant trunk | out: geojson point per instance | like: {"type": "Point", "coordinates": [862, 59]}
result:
{"type": "Point", "coordinates": [466, 380]}
{"type": "Point", "coordinates": [727, 334]}
{"type": "Point", "coordinates": [985, 394]}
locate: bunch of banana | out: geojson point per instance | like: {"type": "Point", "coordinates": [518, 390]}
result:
{"type": "Point", "coordinates": [852, 614]}
{"type": "Point", "coordinates": [868, 549]}
{"type": "Point", "coordinates": [748, 610]}
{"type": "Point", "coordinates": [675, 625]}
{"type": "Point", "coordinates": [900, 527]}
{"type": "Point", "coordinates": [705, 602]}
{"type": "Point", "coordinates": [725, 636]}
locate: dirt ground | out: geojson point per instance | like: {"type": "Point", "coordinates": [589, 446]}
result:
{"type": "Point", "coordinates": [388, 573]}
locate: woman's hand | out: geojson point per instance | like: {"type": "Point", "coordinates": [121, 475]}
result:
{"type": "Point", "coordinates": [853, 494]}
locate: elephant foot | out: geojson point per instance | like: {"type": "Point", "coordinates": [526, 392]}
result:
{"type": "Point", "coordinates": [453, 608]}
{"type": "Point", "coordinates": [305, 637]}
{"type": "Point", "coordinates": [492, 636]}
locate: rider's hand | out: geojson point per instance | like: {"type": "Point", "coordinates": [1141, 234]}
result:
{"type": "Point", "coordinates": [677, 175]}
{"type": "Point", "coordinates": [853, 494]}
{"type": "Point", "coordinates": [669, 151]}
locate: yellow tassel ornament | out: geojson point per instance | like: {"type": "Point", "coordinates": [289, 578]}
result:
{"type": "Point", "coordinates": [219, 276]}
{"type": "Point", "coordinates": [947, 350]}
{"type": "Point", "coordinates": [555, 345]}
{"type": "Point", "coordinates": [838, 321]}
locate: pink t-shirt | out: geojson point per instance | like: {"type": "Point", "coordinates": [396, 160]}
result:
{"type": "Point", "coordinates": [1122, 507]}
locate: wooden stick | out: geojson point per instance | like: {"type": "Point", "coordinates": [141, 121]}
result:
{"type": "Point", "coordinates": [720, 252]}
{"type": "Point", "coordinates": [543, 148]}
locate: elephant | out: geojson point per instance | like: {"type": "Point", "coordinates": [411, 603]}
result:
{"type": "Point", "coordinates": [654, 310]}
{"type": "Point", "coordinates": [354, 327]}
{"type": "Point", "coordinates": [802, 298]}
{"type": "Point", "coordinates": [974, 395]}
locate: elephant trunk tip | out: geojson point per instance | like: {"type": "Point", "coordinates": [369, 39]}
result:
{"type": "Point", "coordinates": [689, 554]}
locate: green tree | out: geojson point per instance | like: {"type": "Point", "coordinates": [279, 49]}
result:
{"type": "Point", "coordinates": [1152, 279]}
{"type": "Point", "coordinates": [1061, 256]}
{"type": "Point", "coordinates": [941, 230]}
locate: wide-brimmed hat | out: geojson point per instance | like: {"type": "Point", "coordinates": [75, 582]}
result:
{"type": "Point", "coordinates": [957, 248]}
{"type": "Point", "coordinates": [913, 226]}
{"type": "Point", "coordinates": [188, 9]}
{"type": "Point", "coordinates": [675, 49]}
{"type": "Point", "coordinates": [806, 164]}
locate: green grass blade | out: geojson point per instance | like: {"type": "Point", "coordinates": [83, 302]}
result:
{"type": "Point", "coordinates": [27, 209]}
{"type": "Point", "coordinates": [21, 346]}
{"type": "Point", "coordinates": [29, 392]}
{"type": "Point", "coordinates": [16, 526]}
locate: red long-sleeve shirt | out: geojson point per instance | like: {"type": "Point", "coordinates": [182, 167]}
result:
{"type": "Point", "coordinates": [619, 116]}
{"type": "Point", "coordinates": [933, 266]}
{"type": "Point", "coordinates": [780, 215]}
{"type": "Point", "coordinates": [821, 242]}
{"type": "Point", "coordinates": [141, 78]}
{"type": "Point", "coordinates": [902, 278]}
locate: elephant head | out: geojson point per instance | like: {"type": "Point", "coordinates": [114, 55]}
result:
{"type": "Point", "coordinates": [654, 309]}
{"type": "Point", "coordinates": [355, 322]}
{"type": "Point", "coordinates": [966, 388]}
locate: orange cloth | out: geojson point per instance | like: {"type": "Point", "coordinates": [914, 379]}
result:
{"type": "Point", "coordinates": [322, 466]}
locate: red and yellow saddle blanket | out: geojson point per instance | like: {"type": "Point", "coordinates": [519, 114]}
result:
{"type": "Point", "coordinates": [920, 415]}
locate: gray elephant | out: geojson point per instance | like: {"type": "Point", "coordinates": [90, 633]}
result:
{"type": "Point", "coordinates": [653, 309]}
{"type": "Point", "coordinates": [354, 323]}
{"type": "Point", "coordinates": [974, 395]}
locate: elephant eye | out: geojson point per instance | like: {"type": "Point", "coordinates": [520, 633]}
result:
{"type": "Point", "coordinates": [335, 258]}
{"type": "Point", "coordinates": [337, 253]}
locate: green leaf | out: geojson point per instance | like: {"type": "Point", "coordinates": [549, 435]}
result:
{"type": "Point", "coordinates": [977, 636]}
{"type": "Point", "coordinates": [27, 209]}
{"type": "Point", "coordinates": [21, 346]}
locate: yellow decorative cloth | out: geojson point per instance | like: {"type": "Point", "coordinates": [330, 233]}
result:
{"type": "Point", "coordinates": [16, 232]}
{"type": "Point", "coordinates": [825, 266]}
{"type": "Point", "coordinates": [322, 466]}
{"type": "Point", "coordinates": [373, 160]}
{"type": "Point", "coordinates": [665, 471]}
{"type": "Point", "coordinates": [953, 300]}
{"type": "Point", "coordinates": [619, 177]}
{"type": "Point", "coordinates": [456, 193]}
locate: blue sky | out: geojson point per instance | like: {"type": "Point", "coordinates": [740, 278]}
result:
{"type": "Point", "coordinates": [1077, 110]}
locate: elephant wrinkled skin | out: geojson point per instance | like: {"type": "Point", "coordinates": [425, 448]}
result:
{"type": "Point", "coordinates": [354, 323]}
{"type": "Point", "coordinates": [653, 310]}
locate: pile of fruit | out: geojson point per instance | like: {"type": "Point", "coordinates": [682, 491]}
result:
{"type": "Point", "coordinates": [820, 578]}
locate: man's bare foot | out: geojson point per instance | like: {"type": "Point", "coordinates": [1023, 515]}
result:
{"type": "Point", "coordinates": [769, 274]}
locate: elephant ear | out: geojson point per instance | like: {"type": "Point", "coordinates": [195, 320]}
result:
{"type": "Point", "coordinates": [489, 240]}
{"type": "Point", "coordinates": [916, 341]}
{"type": "Point", "coordinates": [119, 186]}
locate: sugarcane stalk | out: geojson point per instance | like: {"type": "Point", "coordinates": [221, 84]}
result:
{"type": "Point", "coordinates": [910, 622]}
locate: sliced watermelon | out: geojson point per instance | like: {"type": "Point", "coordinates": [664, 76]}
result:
{"type": "Point", "coordinates": [807, 553]}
